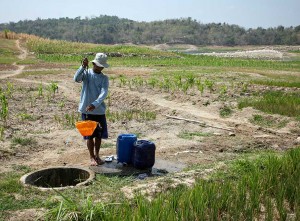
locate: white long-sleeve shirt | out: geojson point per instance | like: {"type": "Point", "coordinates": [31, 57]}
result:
{"type": "Point", "coordinates": [94, 90]}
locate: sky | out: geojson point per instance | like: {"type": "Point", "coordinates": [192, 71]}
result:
{"type": "Point", "coordinates": [245, 13]}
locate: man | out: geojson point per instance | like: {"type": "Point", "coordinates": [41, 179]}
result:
{"type": "Point", "coordinates": [92, 107]}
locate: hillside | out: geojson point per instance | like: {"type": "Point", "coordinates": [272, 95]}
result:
{"type": "Point", "coordinates": [112, 30]}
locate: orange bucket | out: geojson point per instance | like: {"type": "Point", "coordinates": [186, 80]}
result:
{"type": "Point", "coordinates": [86, 127]}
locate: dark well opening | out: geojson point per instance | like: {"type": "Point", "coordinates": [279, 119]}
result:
{"type": "Point", "coordinates": [58, 177]}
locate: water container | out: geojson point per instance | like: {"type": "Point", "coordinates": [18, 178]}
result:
{"type": "Point", "coordinates": [125, 147]}
{"type": "Point", "coordinates": [144, 154]}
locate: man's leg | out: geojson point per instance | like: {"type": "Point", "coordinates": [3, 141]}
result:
{"type": "Point", "coordinates": [97, 149]}
{"type": "Point", "coordinates": [97, 146]}
{"type": "Point", "coordinates": [91, 146]}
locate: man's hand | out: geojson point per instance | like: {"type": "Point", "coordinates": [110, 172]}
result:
{"type": "Point", "coordinates": [90, 108]}
{"type": "Point", "coordinates": [85, 62]}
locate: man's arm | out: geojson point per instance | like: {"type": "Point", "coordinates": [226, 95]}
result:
{"type": "Point", "coordinates": [78, 77]}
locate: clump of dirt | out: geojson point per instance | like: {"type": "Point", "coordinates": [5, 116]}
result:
{"type": "Point", "coordinates": [122, 100]}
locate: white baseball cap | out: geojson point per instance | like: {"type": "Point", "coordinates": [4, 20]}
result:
{"type": "Point", "coordinates": [100, 60]}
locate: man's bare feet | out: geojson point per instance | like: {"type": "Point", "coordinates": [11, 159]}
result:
{"type": "Point", "coordinates": [99, 161]}
{"type": "Point", "coordinates": [93, 162]}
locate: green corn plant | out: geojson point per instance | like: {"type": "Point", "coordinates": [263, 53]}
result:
{"type": "Point", "coordinates": [9, 89]}
{"type": "Point", "coordinates": [4, 108]}
{"type": "Point", "coordinates": [185, 86]}
{"type": "Point", "coordinates": [209, 84]}
{"type": "Point", "coordinates": [40, 90]}
{"type": "Point", "coordinates": [148, 115]}
{"type": "Point", "coordinates": [223, 89]}
{"type": "Point", "coordinates": [123, 81]}
{"type": "Point", "coordinates": [70, 120]}
{"type": "Point", "coordinates": [165, 84]}
{"type": "Point", "coordinates": [200, 86]}
{"type": "Point", "coordinates": [25, 116]}
{"type": "Point", "coordinates": [178, 80]}
{"type": "Point", "coordinates": [61, 104]}
{"type": "Point", "coordinates": [1, 132]}
{"type": "Point", "coordinates": [133, 82]}
{"type": "Point", "coordinates": [137, 81]}
{"type": "Point", "coordinates": [190, 80]}
{"type": "Point", "coordinates": [53, 87]}
{"type": "Point", "coordinates": [152, 82]}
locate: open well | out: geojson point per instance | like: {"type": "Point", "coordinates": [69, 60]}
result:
{"type": "Point", "coordinates": [58, 177]}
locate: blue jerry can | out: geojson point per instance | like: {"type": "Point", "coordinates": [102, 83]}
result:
{"type": "Point", "coordinates": [125, 147]}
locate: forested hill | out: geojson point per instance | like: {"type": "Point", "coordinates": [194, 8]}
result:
{"type": "Point", "coordinates": [111, 29]}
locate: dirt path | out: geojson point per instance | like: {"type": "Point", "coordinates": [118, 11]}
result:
{"type": "Point", "coordinates": [22, 56]}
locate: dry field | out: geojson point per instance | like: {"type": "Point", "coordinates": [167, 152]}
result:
{"type": "Point", "coordinates": [54, 145]}
{"type": "Point", "coordinates": [202, 137]}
